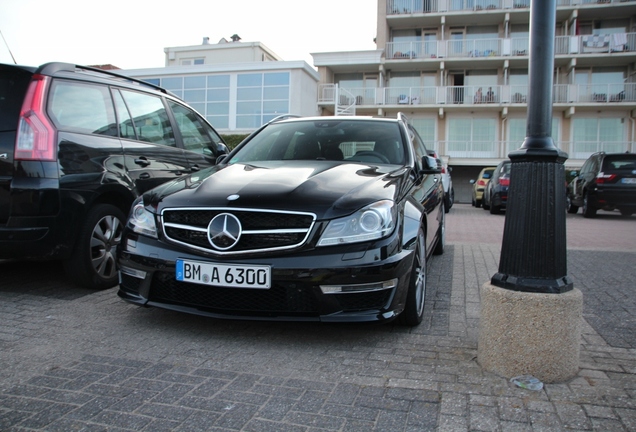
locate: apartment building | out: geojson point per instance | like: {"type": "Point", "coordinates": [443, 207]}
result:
{"type": "Point", "coordinates": [459, 70]}
{"type": "Point", "coordinates": [237, 86]}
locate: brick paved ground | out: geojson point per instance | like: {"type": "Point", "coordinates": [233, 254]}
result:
{"type": "Point", "coordinates": [72, 359]}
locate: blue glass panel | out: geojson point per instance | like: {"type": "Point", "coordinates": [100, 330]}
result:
{"type": "Point", "coordinates": [250, 80]}
{"type": "Point", "coordinates": [194, 82]}
{"type": "Point", "coordinates": [277, 78]}
{"type": "Point", "coordinates": [215, 81]}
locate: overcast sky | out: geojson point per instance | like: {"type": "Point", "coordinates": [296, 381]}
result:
{"type": "Point", "coordinates": [132, 34]}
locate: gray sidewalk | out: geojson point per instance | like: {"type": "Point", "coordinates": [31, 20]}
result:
{"type": "Point", "coordinates": [72, 359]}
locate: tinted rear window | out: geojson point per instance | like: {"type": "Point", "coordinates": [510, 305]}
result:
{"type": "Point", "coordinates": [622, 162]}
{"type": "Point", "coordinates": [13, 86]}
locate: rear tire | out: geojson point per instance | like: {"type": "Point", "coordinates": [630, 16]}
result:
{"type": "Point", "coordinates": [93, 263]}
{"type": "Point", "coordinates": [414, 307]}
{"type": "Point", "coordinates": [588, 210]}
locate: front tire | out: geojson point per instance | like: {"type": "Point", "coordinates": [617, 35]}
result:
{"type": "Point", "coordinates": [414, 307]}
{"type": "Point", "coordinates": [572, 209]}
{"type": "Point", "coordinates": [93, 263]}
{"type": "Point", "coordinates": [441, 237]}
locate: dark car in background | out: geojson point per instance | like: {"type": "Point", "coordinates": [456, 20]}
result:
{"type": "Point", "coordinates": [322, 218]}
{"type": "Point", "coordinates": [496, 193]}
{"type": "Point", "coordinates": [606, 181]}
{"type": "Point", "coordinates": [77, 146]}
{"type": "Point", "coordinates": [479, 185]}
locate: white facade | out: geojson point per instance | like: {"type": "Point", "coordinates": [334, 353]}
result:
{"type": "Point", "coordinates": [233, 87]}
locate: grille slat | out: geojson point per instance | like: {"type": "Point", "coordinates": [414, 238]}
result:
{"type": "Point", "coordinates": [263, 230]}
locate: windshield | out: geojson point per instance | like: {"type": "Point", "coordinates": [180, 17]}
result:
{"type": "Point", "coordinates": [340, 140]}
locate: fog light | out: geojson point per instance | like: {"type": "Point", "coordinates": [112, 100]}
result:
{"type": "Point", "coordinates": [358, 288]}
{"type": "Point", "coordinates": [140, 274]}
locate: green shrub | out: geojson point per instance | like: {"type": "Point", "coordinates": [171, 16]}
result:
{"type": "Point", "coordinates": [233, 140]}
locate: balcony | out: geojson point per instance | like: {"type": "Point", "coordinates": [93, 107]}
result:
{"type": "Point", "coordinates": [509, 47]}
{"type": "Point", "coordinates": [470, 95]}
{"type": "Point", "coordinates": [409, 7]}
{"type": "Point", "coordinates": [595, 44]}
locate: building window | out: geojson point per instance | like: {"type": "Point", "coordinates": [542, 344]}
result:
{"type": "Point", "coordinates": [472, 137]}
{"type": "Point", "coordinates": [590, 135]}
{"type": "Point", "coordinates": [260, 98]}
{"type": "Point", "coordinates": [218, 101]}
{"type": "Point", "coordinates": [192, 61]}
{"type": "Point", "coordinates": [517, 133]}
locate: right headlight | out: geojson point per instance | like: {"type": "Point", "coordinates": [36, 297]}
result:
{"type": "Point", "coordinates": [369, 223]}
{"type": "Point", "coordinates": [141, 220]}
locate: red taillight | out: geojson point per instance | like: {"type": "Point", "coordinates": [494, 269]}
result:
{"type": "Point", "coordinates": [35, 139]}
{"type": "Point", "coordinates": [605, 178]}
{"type": "Point", "coordinates": [504, 181]}
{"type": "Point", "coordinates": [481, 182]}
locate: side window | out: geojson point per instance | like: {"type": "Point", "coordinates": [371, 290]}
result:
{"type": "Point", "coordinates": [83, 108]}
{"type": "Point", "coordinates": [126, 126]}
{"type": "Point", "coordinates": [418, 146]}
{"type": "Point", "coordinates": [149, 118]}
{"type": "Point", "coordinates": [586, 166]}
{"type": "Point", "coordinates": [196, 134]}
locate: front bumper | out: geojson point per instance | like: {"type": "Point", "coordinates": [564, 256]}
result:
{"type": "Point", "coordinates": [147, 278]}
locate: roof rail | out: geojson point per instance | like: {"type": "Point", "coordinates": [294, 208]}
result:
{"type": "Point", "coordinates": [54, 67]}
{"type": "Point", "coordinates": [283, 117]}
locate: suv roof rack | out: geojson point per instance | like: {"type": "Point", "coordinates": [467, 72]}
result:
{"type": "Point", "coordinates": [54, 67]}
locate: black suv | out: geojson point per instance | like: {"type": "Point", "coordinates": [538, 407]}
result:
{"type": "Point", "coordinates": [607, 181]}
{"type": "Point", "coordinates": [77, 146]}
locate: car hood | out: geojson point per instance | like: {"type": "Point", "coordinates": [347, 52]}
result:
{"type": "Point", "coordinates": [328, 189]}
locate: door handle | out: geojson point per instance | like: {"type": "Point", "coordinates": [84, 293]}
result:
{"type": "Point", "coordinates": [195, 168]}
{"type": "Point", "coordinates": [143, 161]}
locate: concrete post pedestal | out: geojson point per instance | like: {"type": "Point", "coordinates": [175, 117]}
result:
{"type": "Point", "coordinates": [524, 333]}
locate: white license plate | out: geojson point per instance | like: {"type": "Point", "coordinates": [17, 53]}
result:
{"type": "Point", "coordinates": [629, 180]}
{"type": "Point", "coordinates": [224, 275]}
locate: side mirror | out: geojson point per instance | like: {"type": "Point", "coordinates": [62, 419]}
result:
{"type": "Point", "coordinates": [430, 165]}
{"type": "Point", "coordinates": [221, 149]}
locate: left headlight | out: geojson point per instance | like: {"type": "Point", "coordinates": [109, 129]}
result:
{"type": "Point", "coordinates": [141, 220]}
{"type": "Point", "coordinates": [369, 223]}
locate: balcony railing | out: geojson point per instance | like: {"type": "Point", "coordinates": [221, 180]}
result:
{"type": "Point", "coordinates": [407, 7]}
{"type": "Point", "coordinates": [467, 48]}
{"type": "Point", "coordinates": [477, 95]}
{"type": "Point", "coordinates": [580, 150]}
{"type": "Point", "coordinates": [595, 44]}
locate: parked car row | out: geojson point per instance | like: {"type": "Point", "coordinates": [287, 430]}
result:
{"type": "Point", "coordinates": [606, 181]}
{"type": "Point", "coordinates": [490, 190]}
{"type": "Point", "coordinates": [324, 218]}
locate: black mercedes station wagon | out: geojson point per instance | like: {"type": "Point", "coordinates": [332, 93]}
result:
{"type": "Point", "coordinates": [323, 218]}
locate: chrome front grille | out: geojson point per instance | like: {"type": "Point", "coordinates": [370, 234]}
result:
{"type": "Point", "coordinates": [261, 230]}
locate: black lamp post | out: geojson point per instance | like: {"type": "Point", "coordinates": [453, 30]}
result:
{"type": "Point", "coordinates": [533, 253]}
